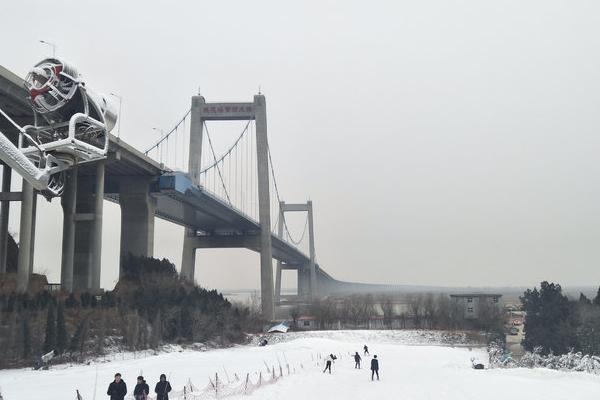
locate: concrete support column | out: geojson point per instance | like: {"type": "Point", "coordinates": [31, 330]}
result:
{"type": "Point", "coordinates": [96, 237]}
{"type": "Point", "coordinates": [4, 214]}
{"type": "Point", "coordinates": [303, 283]}
{"type": "Point", "coordinates": [188, 256]}
{"type": "Point", "coordinates": [314, 289]}
{"type": "Point", "coordinates": [278, 268]}
{"type": "Point", "coordinates": [88, 239]}
{"type": "Point", "coordinates": [264, 212]}
{"type": "Point", "coordinates": [137, 217]}
{"type": "Point", "coordinates": [26, 237]}
{"type": "Point", "coordinates": [68, 202]}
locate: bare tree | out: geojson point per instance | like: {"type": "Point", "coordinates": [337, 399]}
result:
{"type": "Point", "coordinates": [387, 306]}
{"type": "Point", "coordinates": [415, 306]}
{"type": "Point", "coordinates": [429, 310]}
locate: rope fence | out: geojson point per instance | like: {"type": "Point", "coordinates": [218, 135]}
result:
{"type": "Point", "coordinates": [217, 387]}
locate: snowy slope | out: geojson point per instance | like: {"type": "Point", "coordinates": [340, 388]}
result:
{"type": "Point", "coordinates": [407, 372]}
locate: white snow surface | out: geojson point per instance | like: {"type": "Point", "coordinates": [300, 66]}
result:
{"type": "Point", "coordinates": [412, 366]}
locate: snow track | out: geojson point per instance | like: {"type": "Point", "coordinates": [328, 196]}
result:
{"type": "Point", "coordinates": [407, 372]}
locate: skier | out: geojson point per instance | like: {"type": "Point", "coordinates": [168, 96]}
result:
{"type": "Point", "coordinates": [374, 367]}
{"type": "Point", "coordinates": [357, 360]}
{"type": "Point", "coordinates": [162, 389]}
{"type": "Point", "coordinates": [366, 350]}
{"type": "Point", "coordinates": [117, 389]}
{"type": "Point", "coordinates": [328, 361]}
{"type": "Point", "coordinates": [141, 389]}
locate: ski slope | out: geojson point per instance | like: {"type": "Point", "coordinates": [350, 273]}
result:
{"type": "Point", "coordinates": [412, 366]}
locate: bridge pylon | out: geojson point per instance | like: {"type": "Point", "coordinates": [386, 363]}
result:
{"type": "Point", "coordinates": [307, 274]}
{"type": "Point", "coordinates": [201, 111]}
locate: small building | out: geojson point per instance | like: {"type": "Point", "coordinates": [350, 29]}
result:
{"type": "Point", "coordinates": [307, 322]}
{"type": "Point", "coordinates": [474, 304]}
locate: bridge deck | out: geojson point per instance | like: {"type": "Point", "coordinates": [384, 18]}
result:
{"type": "Point", "coordinates": [178, 200]}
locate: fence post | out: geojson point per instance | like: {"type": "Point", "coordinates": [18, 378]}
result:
{"type": "Point", "coordinates": [184, 393]}
{"type": "Point", "coordinates": [246, 385]}
{"type": "Point", "coordinates": [259, 378]}
{"type": "Point", "coordinates": [216, 384]}
{"type": "Point", "coordinates": [273, 369]}
{"type": "Point", "coordinates": [280, 371]}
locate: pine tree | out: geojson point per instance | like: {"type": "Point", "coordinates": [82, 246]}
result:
{"type": "Point", "coordinates": [50, 340]}
{"type": "Point", "coordinates": [583, 299]}
{"type": "Point", "coordinates": [26, 336]}
{"type": "Point", "coordinates": [80, 336]}
{"type": "Point", "coordinates": [549, 322]}
{"type": "Point", "coordinates": [597, 298]}
{"type": "Point", "coordinates": [62, 337]}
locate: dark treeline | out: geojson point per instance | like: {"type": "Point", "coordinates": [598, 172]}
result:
{"type": "Point", "coordinates": [420, 311]}
{"type": "Point", "coordinates": [555, 324]}
{"type": "Point", "coordinates": [149, 306]}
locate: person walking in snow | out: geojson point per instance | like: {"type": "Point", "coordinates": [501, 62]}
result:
{"type": "Point", "coordinates": [141, 389]}
{"type": "Point", "coordinates": [357, 360]}
{"type": "Point", "coordinates": [366, 349]}
{"type": "Point", "coordinates": [117, 389]}
{"type": "Point", "coordinates": [374, 367]}
{"type": "Point", "coordinates": [162, 389]}
{"type": "Point", "coordinates": [328, 361]}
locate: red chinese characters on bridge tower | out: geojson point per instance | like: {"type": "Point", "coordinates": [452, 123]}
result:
{"type": "Point", "coordinates": [225, 109]}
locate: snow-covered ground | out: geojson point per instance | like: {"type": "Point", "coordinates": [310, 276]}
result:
{"type": "Point", "coordinates": [413, 366]}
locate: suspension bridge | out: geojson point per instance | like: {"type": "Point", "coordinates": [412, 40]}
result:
{"type": "Point", "coordinates": [225, 200]}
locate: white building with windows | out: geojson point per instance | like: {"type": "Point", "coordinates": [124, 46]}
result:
{"type": "Point", "coordinates": [474, 303]}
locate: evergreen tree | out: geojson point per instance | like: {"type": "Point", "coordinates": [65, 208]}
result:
{"type": "Point", "coordinates": [80, 336]}
{"type": "Point", "coordinates": [549, 319]}
{"type": "Point", "coordinates": [26, 336]}
{"type": "Point", "coordinates": [583, 299]}
{"type": "Point", "coordinates": [62, 337]}
{"type": "Point", "coordinates": [597, 298]}
{"type": "Point", "coordinates": [50, 340]}
{"type": "Point", "coordinates": [71, 301]}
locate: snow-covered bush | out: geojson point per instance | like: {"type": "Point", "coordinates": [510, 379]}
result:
{"type": "Point", "coordinates": [571, 361]}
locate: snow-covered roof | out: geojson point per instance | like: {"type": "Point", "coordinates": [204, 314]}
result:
{"type": "Point", "coordinates": [282, 328]}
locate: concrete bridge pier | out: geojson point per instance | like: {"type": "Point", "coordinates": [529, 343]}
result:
{"type": "Point", "coordinates": [82, 230]}
{"type": "Point", "coordinates": [26, 236]}
{"type": "Point", "coordinates": [137, 217]}
{"type": "Point", "coordinates": [304, 282]}
{"type": "Point", "coordinates": [188, 256]}
{"type": "Point", "coordinates": [4, 214]}
{"type": "Point", "coordinates": [68, 202]}
{"type": "Point", "coordinates": [279, 266]}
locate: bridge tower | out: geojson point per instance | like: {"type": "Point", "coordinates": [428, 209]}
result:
{"type": "Point", "coordinates": [201, 111]}
{"type": "Point", "coordinates": [307, 274]}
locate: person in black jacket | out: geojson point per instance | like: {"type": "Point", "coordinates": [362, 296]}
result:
{"type": "Point", "coordinates": [117, 389]}
{"type": "Point", "coordinates": [162, 389]}
{"type": "Point", "coordinates": [357, 360]}
{"type": "Point", "coordinates": [374, 367]}
{"type": "Point", "coordinates": [141, 389]}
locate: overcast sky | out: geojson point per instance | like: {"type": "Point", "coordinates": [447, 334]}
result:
{"type": "Point", "coordinates": [442, 142]}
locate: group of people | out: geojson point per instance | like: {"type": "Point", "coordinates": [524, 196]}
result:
{"type": "Point", "coordinates": [118, 389]}
{"type": "Point", "coordinates": [357, 360]}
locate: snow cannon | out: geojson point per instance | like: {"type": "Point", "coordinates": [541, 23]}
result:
{"type": "Point", "coordinates": [71, 126]}
{"type": "Point", "coordinates": [57, 92]}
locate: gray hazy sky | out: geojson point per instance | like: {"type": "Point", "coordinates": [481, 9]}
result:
{"type": "Point", "coordinates": [442, 142]}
